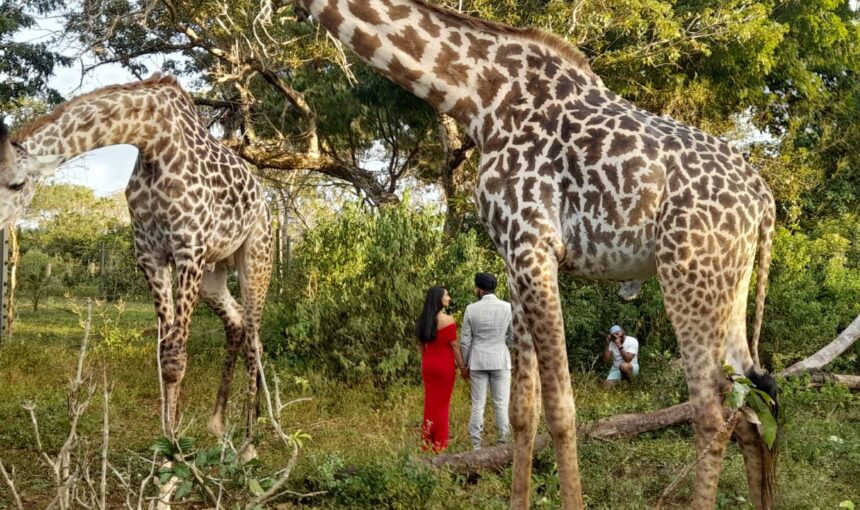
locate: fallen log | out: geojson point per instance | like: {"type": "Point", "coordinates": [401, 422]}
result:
{"type": "Point", "coordinates": [819, 379]}
{"type": "Point", "coordinates": [614, 427]}
{"type": "Point", "coordinates": [622, 425]}
{"type": "Point", "coordinates": [828, 353]}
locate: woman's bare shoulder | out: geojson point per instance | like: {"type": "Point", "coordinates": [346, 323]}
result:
{"type": "Point", "coordinates": [445, 320]}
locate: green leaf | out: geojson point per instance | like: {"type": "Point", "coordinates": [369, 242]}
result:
{"type": "Point", "coordinates": [164, 475]}
{"type": "Point", "coordinates": [182, 471]}
{"type": "Point", "coordinates": [202, 458]}
{"type": "Point", "coordinates": [255, 487]}
{"type": "Point", "coordinates": [183, 489]}
{"type": "Point", "coordinates": [186, 444]}
{"type": "Point", "coordinates": [735, 398]}
{"type": "Point", "coordinates": [164, 446]}
{"type": "Point", "coordinates": [768, 423]}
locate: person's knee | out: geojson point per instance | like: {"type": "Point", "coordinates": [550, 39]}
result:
{"type": "Point", "coordinates": [609, 383]}
{"type": "Point", "coordinates": [626, 369]}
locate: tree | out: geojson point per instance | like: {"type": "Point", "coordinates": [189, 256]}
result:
{"type": "Point", "coordinates": [26, 66]}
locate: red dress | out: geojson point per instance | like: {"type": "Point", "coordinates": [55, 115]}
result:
{"type": "Point", "coordinates": [439, 373]}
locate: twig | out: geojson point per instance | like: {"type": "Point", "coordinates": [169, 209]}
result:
{"type": "Point", "coordinates": [11, 485]}
{"type": "Point", "coordinates": [727, 429]}
{"type": "Point", "coordinates": [105, 440]}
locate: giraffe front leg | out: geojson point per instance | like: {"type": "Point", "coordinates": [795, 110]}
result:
{"type": "Point", "coordinates": [172, 352]}
{"type": "Point", "coordinates": [535, 278]}
{"type": "Point", "coordinates": [525, 404]}
{"type": "Point", "coordinates": [524, 408]}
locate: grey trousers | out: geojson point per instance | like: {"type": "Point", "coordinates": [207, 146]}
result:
{"type": "Point", "coordinates": [499, 382]}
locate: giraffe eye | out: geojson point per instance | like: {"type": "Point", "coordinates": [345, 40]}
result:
{"type": "Point", "coordinates": [16, 186]}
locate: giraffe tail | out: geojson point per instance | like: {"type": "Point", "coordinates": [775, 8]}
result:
{"type": "Point", "coordinates": [766, 383]}
{"type": "Point", "coordinates": [765, 242]}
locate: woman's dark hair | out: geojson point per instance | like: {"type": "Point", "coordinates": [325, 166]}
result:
{"type": "Point", "coordinates": [425, 328]}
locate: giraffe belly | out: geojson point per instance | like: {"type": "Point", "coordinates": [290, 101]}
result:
{"type": "Point", "coordinates": [626, 254]}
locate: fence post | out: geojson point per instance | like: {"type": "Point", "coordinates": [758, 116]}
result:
{"type": "Point", "coordinates": [4, 279]}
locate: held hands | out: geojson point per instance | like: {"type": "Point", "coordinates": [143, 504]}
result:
{"type": "Point", "coordinates": [464, 373]}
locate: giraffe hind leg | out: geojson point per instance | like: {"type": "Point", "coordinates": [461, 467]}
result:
{"type": "Point", "coordinates": [759, 460]}
{"type": "Point", "coordinates": [255, 266]}
{"type": "Point", "coordinates": [214, 292]}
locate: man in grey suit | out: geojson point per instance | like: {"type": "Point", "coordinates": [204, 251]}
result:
{"type": "Point", "coordinates": [487, 333]}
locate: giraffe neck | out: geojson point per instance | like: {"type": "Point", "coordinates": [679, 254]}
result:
{"type": "Point", "coordinates": [144, 114]}
{"type": "Point", "coordinates": [462, 66]}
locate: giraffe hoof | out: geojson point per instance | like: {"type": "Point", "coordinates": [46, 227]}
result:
{"type": "Point", "coordinates": [216, 427]}
{"type": "Point", "coordinates": [248, 454]}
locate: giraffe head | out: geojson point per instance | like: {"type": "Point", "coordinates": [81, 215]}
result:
{"type": "Point", "coordinates": [19, 172]}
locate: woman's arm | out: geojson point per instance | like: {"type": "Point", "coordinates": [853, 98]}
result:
{"type": "Point", "coordinates": [458, 360]}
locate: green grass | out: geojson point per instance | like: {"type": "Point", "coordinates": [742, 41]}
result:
{"type": "Point", "coordinates": [376, 430]}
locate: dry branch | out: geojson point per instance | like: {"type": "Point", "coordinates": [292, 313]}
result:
{"type": "Point", "coordinates": [827, 353]}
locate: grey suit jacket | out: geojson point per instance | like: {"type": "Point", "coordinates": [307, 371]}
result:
{"type": "Point", "coordinates": [487, 331]}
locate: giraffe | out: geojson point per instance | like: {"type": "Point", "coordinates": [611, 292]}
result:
{"type": "Point", "coordinates": [19, 173]}
{"type": "Point", "coordinates": [194, 206]}
{"type": "Point", "coordinates": [574, 178]}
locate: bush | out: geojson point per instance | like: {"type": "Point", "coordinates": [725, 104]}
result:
{"type": "Point", "coordinates": [814, 294]}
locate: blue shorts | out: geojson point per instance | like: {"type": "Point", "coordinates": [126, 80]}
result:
{"type": "Point", "coordinates": [615, 372]}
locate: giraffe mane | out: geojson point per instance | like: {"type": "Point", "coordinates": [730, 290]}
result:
{"type": "Point", "coordinates": [156, 80]}
{"type": "Point", "coordinates": [563, 48]}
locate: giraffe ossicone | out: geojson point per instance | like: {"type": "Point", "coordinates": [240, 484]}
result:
{"type": "Point", "coordinates": [195, 207]}
{"type": "Point", "coordinates": [574, 178]}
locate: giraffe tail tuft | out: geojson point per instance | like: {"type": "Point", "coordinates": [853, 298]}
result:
{"type": "Point", "coordinates": [765, 242]}
{"type": "Point", "coordinates": [766, 383]}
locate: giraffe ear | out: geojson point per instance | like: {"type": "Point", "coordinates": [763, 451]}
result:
{"type": "Point", "coordinates": [46, 165]}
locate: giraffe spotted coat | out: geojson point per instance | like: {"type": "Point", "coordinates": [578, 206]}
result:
{"type": "Point", "coordinates": [574, 178]}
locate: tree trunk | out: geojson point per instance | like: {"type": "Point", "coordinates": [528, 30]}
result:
{"type": "Point", "coordinates": [14, 256]}
{"type": "Point", "coordinates": [455, 183]}
{"type": "Point", "coordinates": [623, 425]}
{"type": "Point", "coordinates": [827, 353]}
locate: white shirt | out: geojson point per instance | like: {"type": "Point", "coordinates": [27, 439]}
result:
{"type": "Point", "coordinates": [630, 346]}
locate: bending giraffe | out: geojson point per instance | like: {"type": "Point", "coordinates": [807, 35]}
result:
{"type": "Point", "coordinates": [193, 204]}
{"type": "Point", "coordinates": [574, 178]}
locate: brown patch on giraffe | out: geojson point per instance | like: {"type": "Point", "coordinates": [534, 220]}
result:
{"type": "Point", "coordinates": [489, 83]}
{"type": "Point", "coordinates": [464, 109]}
{"type": "Point", "coordinates": [448, 67]}
{"type": "Point", "coordinates": [330, 16]}
{"type": "Point", "coordinates": [365, 44]}
{"type": "Point", "coordinates": [362, 10]}
{"type": "Point", "coordinates": [621, 144]}
{"type": "Point", "coordinates": [429, 25]}
{"type": "Point", "coordinates": [435, 96]}
{"type": "Point", "coordinates": [406, 75]}
{"type": "Point", "coordinates": [539, 89]}
{"type": "Point", "coordinates": [592, 144]}
{"type": "Point", "coordinates": [410, 42]}
{"type": "Point", "coordinates": [479, 48]}
{"type": "Point", "coordinates": [505, 57]}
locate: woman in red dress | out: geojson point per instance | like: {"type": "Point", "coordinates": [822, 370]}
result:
{"type": "Point", "coordinates": [440, 357]}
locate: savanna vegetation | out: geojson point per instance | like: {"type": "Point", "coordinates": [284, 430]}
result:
{"type": "Point", "coordinates": [370, 190]}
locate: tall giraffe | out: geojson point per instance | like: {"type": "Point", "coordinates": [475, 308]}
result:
{"type": "Point", "coordinates": [575, 178]}
{"type": "Point", "coordinates": [194, 205]}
